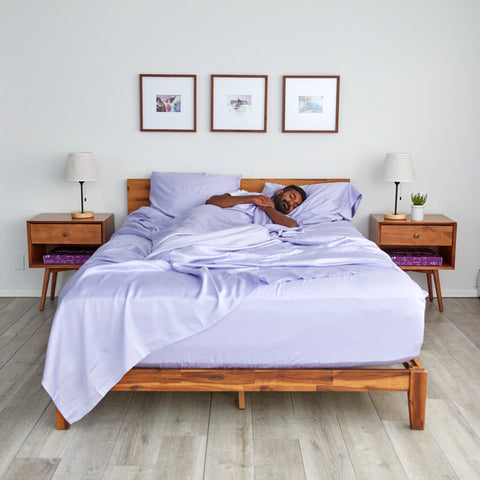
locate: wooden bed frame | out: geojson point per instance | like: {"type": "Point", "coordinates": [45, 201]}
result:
{"type": "Point", "coordinates": [411, 379]}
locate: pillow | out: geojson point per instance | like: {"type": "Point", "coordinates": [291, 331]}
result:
{"type": "Point", "coordinates": [325, 202]}
{"type": "Point", "coordinates": [174, 194]}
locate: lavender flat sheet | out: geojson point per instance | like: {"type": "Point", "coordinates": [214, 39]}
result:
{"type": "Point", "coordinates": [181, 288]}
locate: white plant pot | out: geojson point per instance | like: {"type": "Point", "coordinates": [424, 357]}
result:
{"type": "Point", "coordinates": [417, 213]}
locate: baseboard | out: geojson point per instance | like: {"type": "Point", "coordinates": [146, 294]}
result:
{"type": "Point", "coordinates": [23, 292]}
{"type": "Point", "coordinates": [454, 293]}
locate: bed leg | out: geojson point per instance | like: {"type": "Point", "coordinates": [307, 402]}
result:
{"type": "Point", "coordinates": [241, 400]}
{"type": "Point", "coordinates": [417, 396]}
{"type": "Point", "coordinates": [62, 424]}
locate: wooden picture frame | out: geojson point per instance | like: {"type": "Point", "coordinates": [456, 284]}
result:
{"type": "Point", "coordinates": [168, 103]}
{"type": "Point", "coordinates": [239, 103]}
{"type": "Point", "coordinates": [311, 103]}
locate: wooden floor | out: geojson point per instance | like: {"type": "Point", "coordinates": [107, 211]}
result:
{"type": "Point", "coordinates": [279, 435]}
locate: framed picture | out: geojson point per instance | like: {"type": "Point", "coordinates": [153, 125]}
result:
{"type": "Point", "coordinates": [310, 103]}
{"type": "Point", "coordinates": [168, 103]}
{"type": "Point", "coordinates": [239, 103]}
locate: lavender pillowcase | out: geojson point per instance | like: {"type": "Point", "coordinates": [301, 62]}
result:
{"type": "Point", "coordinates": [325, 202]}
{"type": "Point", "coordinates": [174, 194]}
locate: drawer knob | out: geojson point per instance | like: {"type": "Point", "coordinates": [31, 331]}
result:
{"type": "Point", "coordinates": [416, 235]}
{"type": "Point", "coordinates": [65, 234]}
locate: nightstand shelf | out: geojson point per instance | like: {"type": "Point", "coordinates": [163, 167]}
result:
{"type": "Point", "coordinates": [49, 230]}
{"type": "Point", "coordinates": [437, 232]}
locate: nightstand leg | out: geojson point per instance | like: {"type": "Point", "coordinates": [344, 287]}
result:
{"type": "Point", "coordinates": [46, 278]}
{"type": "Point", "coordinates": [429, 283]}
{"type": "Point", "coordinates": [54, 284]}
{"type": "Point", "coordinates": [436, 279]}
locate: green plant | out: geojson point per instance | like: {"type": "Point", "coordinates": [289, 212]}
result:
{"type": "Point", "coordinates": [419, 199]}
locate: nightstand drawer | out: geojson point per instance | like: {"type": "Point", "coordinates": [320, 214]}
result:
{"type": "Point", "coordinates": [66, 233]}
{"type": "Point", "coordinates": [417, 235]}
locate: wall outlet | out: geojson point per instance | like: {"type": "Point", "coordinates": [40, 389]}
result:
{"type": "Point", "coordinates": [20, 261]}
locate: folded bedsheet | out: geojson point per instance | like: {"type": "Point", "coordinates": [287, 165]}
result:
{"type": "Point", "coordinates": [159, 282]}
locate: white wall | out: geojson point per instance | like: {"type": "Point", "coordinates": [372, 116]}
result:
{"type": "Point", "coordinates": [410, 74]}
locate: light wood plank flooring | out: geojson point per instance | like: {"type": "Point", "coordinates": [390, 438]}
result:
{"type": "Point", "coordinates": [279, 435]}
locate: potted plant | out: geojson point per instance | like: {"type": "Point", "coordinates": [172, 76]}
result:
{"type": "Point", "coordinates": [418, 203]}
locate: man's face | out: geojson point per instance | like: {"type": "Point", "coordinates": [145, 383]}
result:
{"type": "Point", "coordinates": [286, 201]}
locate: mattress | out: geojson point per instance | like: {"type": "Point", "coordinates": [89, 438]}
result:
{"type": "Point", "coordinates": [342, 320]}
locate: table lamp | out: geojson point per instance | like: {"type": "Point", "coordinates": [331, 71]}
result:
{"type": "Point", "coordinates": [398, 168]}
{"type": "Point", "coordinates": [80, 167]}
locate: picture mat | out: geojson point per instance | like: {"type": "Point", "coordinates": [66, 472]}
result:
{"type": "Point", "coordinates": [153, 86]}
{"type": "Point", "coordinates": [300, 87]}
{"type": "Point", "coordinates": [224, 118]}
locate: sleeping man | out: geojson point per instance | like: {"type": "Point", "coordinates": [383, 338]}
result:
{"type": "Point", "coordinates": [277, 208]}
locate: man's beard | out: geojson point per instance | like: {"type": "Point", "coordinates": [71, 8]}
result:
{"type": "Point", "coordinates": [280, 205]}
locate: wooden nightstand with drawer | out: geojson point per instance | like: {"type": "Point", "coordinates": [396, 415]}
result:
{"type": "Point", "coordinates": [437, 232]}
{"type": "Point", "coordinates": [49, 230]}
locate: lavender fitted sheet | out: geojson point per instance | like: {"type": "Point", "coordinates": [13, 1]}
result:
{"type": "Point", "coordinates": [342, 320]}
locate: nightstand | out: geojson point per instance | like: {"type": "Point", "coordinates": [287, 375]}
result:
{"type": "Point", "coordinates": [49, 230]}
{"type": "Point", "coordinates": [437, 232]}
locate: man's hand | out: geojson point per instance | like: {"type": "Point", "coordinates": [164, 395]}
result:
{"type": "Point", "coordinates": [262, 201]}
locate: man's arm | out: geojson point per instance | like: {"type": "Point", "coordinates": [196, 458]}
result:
{"type": "Point", "coordinates": [262, 201]}
{"type": "Point", "coordinates": [226, 200]}
{"type": "Point", "coordinates": [279, 218]}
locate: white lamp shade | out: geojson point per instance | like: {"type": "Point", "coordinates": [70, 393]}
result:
{"type": "Point", "coordinates": [398, 167]}
{"type": "Point", "coordinates": [80, 167]}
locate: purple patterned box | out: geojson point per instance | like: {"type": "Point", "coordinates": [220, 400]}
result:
{"type": "Point", "coordinates": [68, 256]}
{"type": "Point", "coordinates": [420, 257]}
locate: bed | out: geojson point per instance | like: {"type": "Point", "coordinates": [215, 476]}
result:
{"type": "Point", "coordinates": [360, 315]}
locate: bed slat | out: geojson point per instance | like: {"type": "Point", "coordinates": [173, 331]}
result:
{"type": "Point", "coordinates": [256, 380]}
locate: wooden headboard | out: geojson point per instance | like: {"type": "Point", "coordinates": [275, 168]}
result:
{"type": "Point", "coordinates": [138, 189]}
